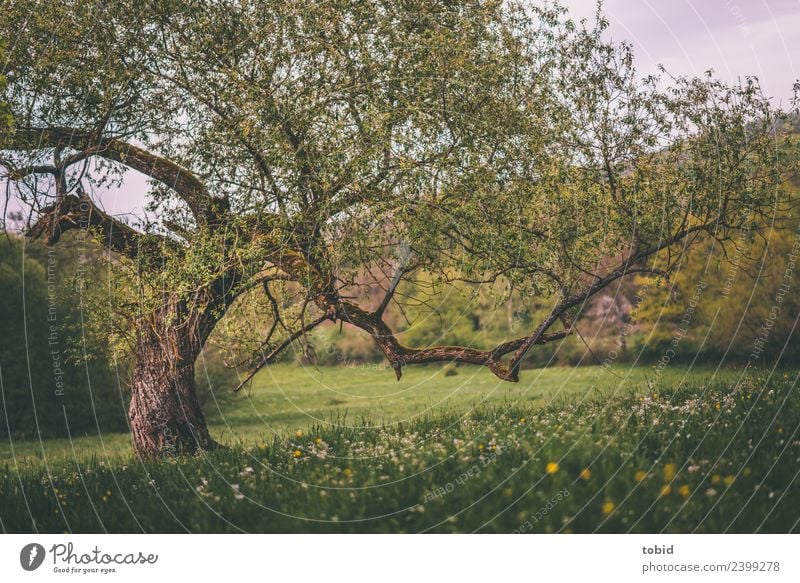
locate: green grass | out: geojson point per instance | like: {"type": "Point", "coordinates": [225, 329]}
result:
{"type": "Point", "coordinates": [287, 398]}
{"type": "Point", "coordinates": [708, 455]}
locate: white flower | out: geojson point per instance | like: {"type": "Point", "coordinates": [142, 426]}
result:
{"type": "Point", "coordinates": [236, 493]}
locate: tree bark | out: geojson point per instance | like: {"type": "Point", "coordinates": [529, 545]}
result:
{"type": "Point", "coordinates": [165, 414]}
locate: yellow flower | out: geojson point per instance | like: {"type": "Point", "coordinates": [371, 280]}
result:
{"type": "Point", "coordinates": [716, 406]}
{"type": "Point", "coordinates": [640, 475]}
{"type": "Point", "coordinates": [522, 420]}
{"type": "Point", "coordinates": [666, 490]}
{"type": "Point", "coordinates": [746, 472]}
{"type": "Point", "coordinates": [715, 479]}
{"type": "Point", "coordinates": [684, 491]}
{"type": "Point", "coordinates": [669, 472]}
{"type": "Point", "coordinates": [318, 440]}
{"type": "Point", "coordinates": [585, 474]}
{"type": "Point", "coordinates": [298, 433]}
{"type": "Point", "coordinates": [297, 453]}
{"type": "Point", "coordinates": [551, 468]}
{"type": "Point", "coordinates": [347, 472]}
{"type": "Point", "coordinates": [608, 507]}
{"type": "Point", "coordinates": [728, 480]}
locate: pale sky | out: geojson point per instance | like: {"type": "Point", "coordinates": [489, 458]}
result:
{"type": "Point", "coordinates": [733, 37]}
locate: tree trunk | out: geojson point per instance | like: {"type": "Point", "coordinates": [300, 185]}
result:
{"type": "Point", "coordinates": [165, 414]}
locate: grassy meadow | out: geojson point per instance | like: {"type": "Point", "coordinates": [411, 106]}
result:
{"type": "Point", "coordinates": [352, 450]}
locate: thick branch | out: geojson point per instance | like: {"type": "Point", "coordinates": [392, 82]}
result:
{"type": "Point", "coordinates": [79, 212]}
{"type": "Point", "coordinates": [400, 356]}
{"type": "Point", "coordinates": [191, 190]}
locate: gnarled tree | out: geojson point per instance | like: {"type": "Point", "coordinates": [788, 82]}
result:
{"type": "Point", "coordinates": [302, 150]}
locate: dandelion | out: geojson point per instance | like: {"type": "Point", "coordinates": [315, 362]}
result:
{"type": "Point", "coordinates": [715, 479]}
{"type": "Point", "coordinates": [318, 440]}
{"type": "Point", "coordinates": [728, 480]}
{"type": "Point", "coordinates": [522, 420]}
{"type": "Point", "coordinates": [347, 472]}
{"type": "Point", "coordinates": [298, 433]}
{"type": "Point", "coordinates": [669, 472]}
{"type": "Point", "coordinates": [640, 475]}
{"type": "Point", "coordinates": [608, 507]}
{"type": "Point", "coordinates": [684, 491]}
{"type": "Point", "coordinates": [585, 474]}
{"type": "Point", "coordinates": [746, 472]}
{"type": "Point", "coordinates": [297, 453]}
{"type": "Point", "coordinates": [551, 468]}
{"type": "Point", "coordinates": [666, 490]}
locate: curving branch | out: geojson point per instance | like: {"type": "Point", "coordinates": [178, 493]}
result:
{"type": "Point", "coordinates": [205, 208]}
{"type": "Point", "coordinates": [399, 356]}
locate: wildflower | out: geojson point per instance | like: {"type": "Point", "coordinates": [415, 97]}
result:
{"type": "Point", "coordinates": [716, 406]}
{"type": "Point", "coordinates": [684, 491]}
{"type": "Point", "coordinates": [297, 453]}
{"type": "Point", "coordinates": [551, 468]}
{"type": "Point", "coordinates": [585, 474]}
{"type": "Point", "coordinates": [298, 433]}
{"type": "Point", "coordinates": [711, 492]}
{"type": "Point", "coordinates": [236, 493]}
{"type": "Point", "coordinates": [347, 472]}
{"type": "Point", "coordinates": [715, 479]}
{"type": "Point", "coordinates": [728, 480]}
{"type": "Point", "coordinates": [318, 440]}
{"type": "Point", "coordinates": [521, 421]}
{"type": "Point", "coordinates": [669, 472]}
{"type": "Point", "coordinates": [666, 490]}
{"type": "Point", "coordinates": [608, 507]}
{"type": "Point", "coordinates": [640, 475]}
{"type": "Point", "coordinates": [746, 472]}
